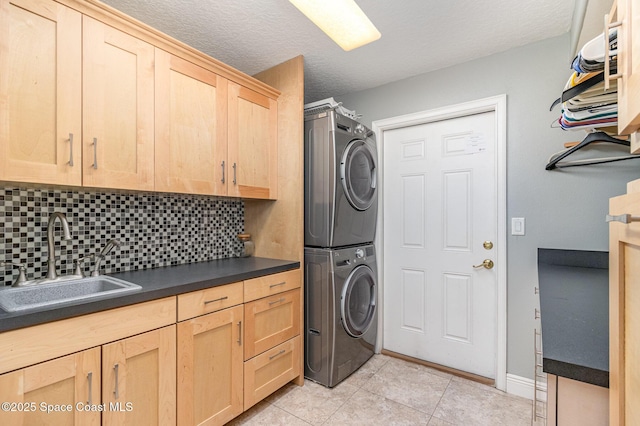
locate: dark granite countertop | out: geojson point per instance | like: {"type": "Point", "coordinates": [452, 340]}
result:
{"type": "Point", "coordinates": [156, 283]}
{"type": "Point", "coordinates": [574, 310]}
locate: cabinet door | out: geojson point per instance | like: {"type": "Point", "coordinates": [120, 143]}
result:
{"type": "Point", "coordinates": [118, 102]}
{"type": "Point", "coordinates": [269, 371]}
{"type": "Point", "coordinates": [210, 368]}
{"type": "Point", "coordinates": [253, 144]}
{"type": "Point", "coordinates": [191, 128]}
{"type": "Point", "coordinates": [66, 387]}
{"type": "Point", "coordinates": [629, 66]}
{"type": "Point", "coordinates": [139, 379]}
{"type": "Point", "coordinates": [271, 321]}
{"type": "Point", "coordinates": [624, 310]}
{"type": "Point", "coordinates": [40, 92]}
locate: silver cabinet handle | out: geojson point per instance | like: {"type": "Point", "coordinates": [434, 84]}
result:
{"type": "Point", "coordinates": [222, 171]}
{"type": "Point", "coordinates": [536, 313]}
{"type": "Point", "coordinates": [89, 378]}
{"type": "Point", "coordinates": [240, 333]}
{"type": "Point", "coordinates": [115, 391]}
{"type": "Point", "coordinates": [206, 302]}
{"type": "Point", "coordinates": [279, 284]}
{"type": "Point", "coordinates": [95, 153]}
{"type": "Point", "coordinates": [71, 149]}
{"type": "Point", "coordinates": [276, 301]}
{"type": "Point", "coordinates": [624, 218]}
{"type": "Point", "coordinates": [234, 173]}
{"type": "Point", "coordinates": [277, 355]}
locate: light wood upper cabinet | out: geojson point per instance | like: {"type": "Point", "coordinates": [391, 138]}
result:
{"type": "Point", "coordinates": [73, 380]}
{"type": "Point", "coordinates": [139, 379]}
{"type": "Point", "coordinates": [40, 92]}
{"type": "Point", "coordinates": [253, 144]}
{"type": "Point", "coordinates": [210, 368]}
{"type": "Point", "coordinates": [118, 109]}
{"type": "Point", "coordinates": [191, 127]}
{"type": "Point", "coordinates": [628, 13]}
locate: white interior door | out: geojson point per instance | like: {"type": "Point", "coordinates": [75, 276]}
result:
{"type": "Point", "coordinates": [440, 207]}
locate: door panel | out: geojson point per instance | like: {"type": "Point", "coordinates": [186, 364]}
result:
{"type": "Point", "coordinates": [72, 380]}
{"type": "Point", "coordinates": [118, 109]}
{"type": "Point", "coordinates": [139, 379]}
{"type": "Point", "coordinates": [440, 205]}
{"type": "Point", "coordinates": [191, 128]}
{"type": "Point", "coordinates": [40, 92]}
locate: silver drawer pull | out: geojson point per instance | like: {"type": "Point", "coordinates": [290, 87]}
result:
{"type": "Point", "coordinates": [240, 333]}
{"type": "Point", "coordinates": [222, 171]}
{"type": "Point", "coordinates": [277, 355]}
{"type": "Point", "coordinates": [536, 314]}
{"type": "Point", "coordinates": [206, 302]}
{"type": "Point", "coordinates": [71, 149]}
{"type": "Point", "coordinates": [89, 378]}
{"type": "Point", "coordinates": [276, 285]}
{"type": "Point", "coordinates": [276, 301]}
{"type": "Point", "coordinates": [234, 174]}
{"type": "Point", "coordinates": [116, 392]}
{"type": "Point", "coordinates": [624, 218]}
{"type": "Point", "coordinates": [95, 153]}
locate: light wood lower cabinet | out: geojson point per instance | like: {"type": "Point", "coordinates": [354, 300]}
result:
{"type": "Point", "coordinates": [574, 403]}
{"type": "Point", "coordinates": [269, 371]}
{"type": "Point", "coordinates": [139, 379]}
{"type": "Point", "coordinates": [57, 392]}
{"type": "Point", "coordinates": [224, 355]}
{"type": "Point", "coordinates": [210, 368]}
{"type": "Point", "coordinates": [271, 321]}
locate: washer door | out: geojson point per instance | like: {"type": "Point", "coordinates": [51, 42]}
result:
{"type": "Point", "coordinates": [358, 174]}
{"type": "Point", "coordinates": [358, 302]}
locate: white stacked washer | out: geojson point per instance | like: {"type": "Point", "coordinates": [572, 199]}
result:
{"type": "Point", "coordinates": [340, 266]}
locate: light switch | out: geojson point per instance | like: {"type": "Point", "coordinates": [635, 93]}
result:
{"type": "Point", "coordinates": [517, 226]}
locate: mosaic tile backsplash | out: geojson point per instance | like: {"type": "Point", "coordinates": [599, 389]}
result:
{"type": "Point", "coordinates": [154, 229]}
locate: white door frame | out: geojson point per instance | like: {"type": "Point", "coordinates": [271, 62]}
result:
{"type": "Point", "coordinates": [498, 104]}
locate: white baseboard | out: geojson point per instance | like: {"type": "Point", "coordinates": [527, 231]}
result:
{"type": "Point", "coordinates": [521, 386]}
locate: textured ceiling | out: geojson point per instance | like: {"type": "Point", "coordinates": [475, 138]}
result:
{"type": "Point", "coordinates": [417, 35]}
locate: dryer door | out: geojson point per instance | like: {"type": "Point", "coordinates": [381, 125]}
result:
{"type": "Point", "coordinates": [358, 302]}
{"type": "Point", "coordinates": [358, 174]}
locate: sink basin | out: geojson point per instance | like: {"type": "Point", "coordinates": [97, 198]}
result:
{"type": "Point", "coordinates": [15, 299]}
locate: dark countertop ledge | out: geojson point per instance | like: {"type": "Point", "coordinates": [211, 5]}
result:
{"type": "Point", "coordinates": [156, 283]}
{"type": "Point", "coordinates": [574, 311]}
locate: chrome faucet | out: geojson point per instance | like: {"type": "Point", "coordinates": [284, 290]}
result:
{"type": "Point", "coordinates": [103, 253]}
{"type": "Point", "coordinates": [52, 273]}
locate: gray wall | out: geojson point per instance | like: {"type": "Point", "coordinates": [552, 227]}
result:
{"type": "Point", "coordinates": [563, 209]}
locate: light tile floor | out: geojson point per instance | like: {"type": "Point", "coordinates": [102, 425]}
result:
{"type": "Point", "coordinates": [390, 391]}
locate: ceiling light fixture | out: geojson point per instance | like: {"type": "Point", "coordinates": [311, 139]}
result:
{"type": "Point", "coordinates": [342, 20]}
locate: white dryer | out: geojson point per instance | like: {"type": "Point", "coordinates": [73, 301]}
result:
{"type": "Point", "coordinates": [340, 181]}
{"type": "Point", "coordinates": [341, 314]}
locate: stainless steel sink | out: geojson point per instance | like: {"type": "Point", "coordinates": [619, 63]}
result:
{"type": "Point", "coordinates": [15, 299]}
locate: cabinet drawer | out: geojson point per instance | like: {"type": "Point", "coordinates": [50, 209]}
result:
{"type": "Point", "coordinates": [258, 288]}
{"type": "Point", "coordinates": [210, 300]}
{"type": "Point", "coordinates": [271, 321]}
{"type": "Point", "coordinates": [269, 371]}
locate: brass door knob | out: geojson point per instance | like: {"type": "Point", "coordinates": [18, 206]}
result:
{"type": "Point", "coordinates": [487, 264]}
